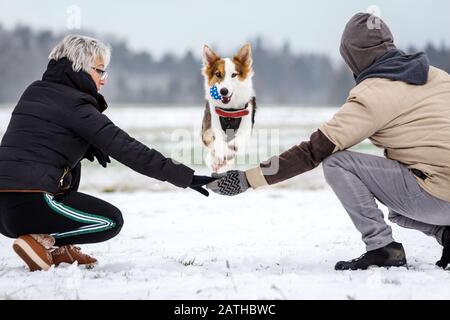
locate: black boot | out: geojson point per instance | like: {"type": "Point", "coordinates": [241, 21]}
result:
{"type": "Point", "coordinates": [392, 255]}
{"type": "Point", "coordinates": [445, 259]}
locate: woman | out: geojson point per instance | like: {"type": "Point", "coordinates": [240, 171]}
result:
{"type": "Point", "coordinates": [57, 123]}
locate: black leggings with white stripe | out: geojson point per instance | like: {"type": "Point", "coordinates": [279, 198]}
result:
{"type": "Point", "coordinates": [72, 218]}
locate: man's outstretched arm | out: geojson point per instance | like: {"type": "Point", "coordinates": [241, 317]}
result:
{"type": "Point", "coordinates": [297, 160]}
{"type": "Point", "coordinates": [355, 121]}
{"type": "Point", "coordinates": [293, 162]}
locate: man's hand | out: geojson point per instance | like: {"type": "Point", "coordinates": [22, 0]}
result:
{"type": "Point", "coordinates": [94, 153]}
{"type": "Point", "coordinates": [230, 183]}
{"type": "Point", "coordinates": [199, 181]}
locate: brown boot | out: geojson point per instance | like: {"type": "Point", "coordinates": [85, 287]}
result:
{"type": "Point", "coordinates": [34, 249]}
{"type": "Point", "coordinates": [70, 254]}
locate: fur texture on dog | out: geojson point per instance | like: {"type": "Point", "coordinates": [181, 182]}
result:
{"type": "Point", "coordinates": [229, 114]}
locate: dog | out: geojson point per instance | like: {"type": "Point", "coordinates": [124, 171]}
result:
{"type": "Point", "coordinates": [229, 115]}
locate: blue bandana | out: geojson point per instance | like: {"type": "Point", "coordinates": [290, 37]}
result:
{"type": "Point", "coordinates": [215, 93]}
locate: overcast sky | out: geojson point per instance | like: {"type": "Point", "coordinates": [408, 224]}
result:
{"type": "Point", "coordinates": [177, 25]}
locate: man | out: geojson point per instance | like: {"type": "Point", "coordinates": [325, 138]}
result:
{"type": "Point", "coordinates": [402, 104]}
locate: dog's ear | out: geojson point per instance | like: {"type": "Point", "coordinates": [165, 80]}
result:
{"type": "Point", "coordinates": [244, 55]}
{"type": "Point", "coordinates": [209, 56]}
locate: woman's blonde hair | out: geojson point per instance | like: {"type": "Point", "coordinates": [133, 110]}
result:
{"type": "Point", "coordinates": [82, 51]}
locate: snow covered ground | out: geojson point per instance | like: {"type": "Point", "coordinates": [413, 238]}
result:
{"type": "Point", "coordinates": [277, 243]}
{"type": "Point", "coordinates": [268, 244]}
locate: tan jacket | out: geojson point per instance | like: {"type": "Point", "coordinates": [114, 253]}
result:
{"type": "Point", "coordinates": [412, 124]}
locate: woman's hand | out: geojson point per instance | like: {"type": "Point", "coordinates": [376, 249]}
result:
{"type": "Point", "coordinates": [199, 181]}
{"type": "Point", "coordinates": [94, 153]}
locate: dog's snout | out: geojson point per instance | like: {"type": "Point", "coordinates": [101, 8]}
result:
{"type": "Point", "coordinates": [224, 91]}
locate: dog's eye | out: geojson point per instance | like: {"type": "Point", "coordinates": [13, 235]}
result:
{"type": "Point", "coordinates": [218, 74]}
{"type": "Point", "coordinates": [234, 75]}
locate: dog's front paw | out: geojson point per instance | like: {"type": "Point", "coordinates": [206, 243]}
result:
{"type": "Point", "coordinates": [214, 163]}
{"type": "Point", "coordinates": [222, 158]}
{"type": "Point", "coordinates": [218, 163]}
{"type": "Point", "coordinates": [215, 168]}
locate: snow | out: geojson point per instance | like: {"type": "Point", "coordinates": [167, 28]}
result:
{"type": "Point", "coordinates": [276, 243]}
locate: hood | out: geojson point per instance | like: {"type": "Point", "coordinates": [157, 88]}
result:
{"type": "Point", "coordinates": [61, 72]}
{"type": "Point", "coordinates": [363, 41]}
{"type": "Point", "coordinates": [398, 66]}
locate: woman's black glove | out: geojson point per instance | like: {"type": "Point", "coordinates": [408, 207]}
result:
{"type": "Point", "coordinates": [199, 181]}
{"type": "Point", "coordinates": [94, 153]}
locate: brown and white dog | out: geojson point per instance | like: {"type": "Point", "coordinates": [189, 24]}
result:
{"type": "Point", "coordinates": [230, 109]}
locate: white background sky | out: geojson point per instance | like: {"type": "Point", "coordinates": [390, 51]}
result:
{"type": "Point", "coordinates": [177, 25]}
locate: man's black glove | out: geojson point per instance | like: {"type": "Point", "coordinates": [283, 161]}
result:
{"type": "Point", "coordinates": [94, 153]}
{"type": "Point", "coordinates": [199, 181]}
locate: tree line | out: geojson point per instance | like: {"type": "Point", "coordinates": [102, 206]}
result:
{"type": "Point", "coordinates": [282, 77]}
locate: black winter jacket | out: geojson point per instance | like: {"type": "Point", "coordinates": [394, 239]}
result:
{"type": "Point", "coordinates": [55, 122]}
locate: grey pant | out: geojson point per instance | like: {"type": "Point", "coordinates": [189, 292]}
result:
{"type": "Point", "coordinates": [358, 179]}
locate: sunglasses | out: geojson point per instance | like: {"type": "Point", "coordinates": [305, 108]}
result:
{"type": "Point", "coordinates": [102, 73]}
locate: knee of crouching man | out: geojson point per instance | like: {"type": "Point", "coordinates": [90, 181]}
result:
{"type": "Point", "coordinates": [337, 159]}
{"type": "Point", "coordinates": [326, 170]}
{"type": "Point", "coordinates": [330, 166]}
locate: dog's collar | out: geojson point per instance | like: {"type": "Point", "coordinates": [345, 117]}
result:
{"type": "Point", "coordinates": [233, 113]}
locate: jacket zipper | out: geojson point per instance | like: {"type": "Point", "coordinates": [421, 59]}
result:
{"type": "Point", "coordinates": [61, 182]}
